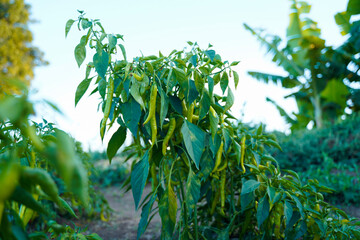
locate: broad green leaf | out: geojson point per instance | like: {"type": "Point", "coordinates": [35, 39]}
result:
{"type": "Point", "coordinates": [167, 211]}
{"type": "Point", "coordinates": [271, 193]}
{"type": "Point", "coordinates": [216, 78]}
{"type": "Point", "coordinates": [145, 213]}
{"type": "Point", "coordinates": [224, 82]}
{"type": "Point", "coordinates": [227, 139]}
{"type": "Point", "coordinates": [249, 186]}
{"type": "Point", "coordinates": [299, 206]}
{"type": "Point", "coordinates": [102, 88]}
{"type": "Point", "coordinates": [81, 89]}
{"type": "Point", "coordinates": [229, 100]}
{"type": "Point", "coordinates": [204, 104]}
{"type": "Point", "coordinates": [135, 92]}
{"type": "Point", "coordinates": [64, 205]}
{"type": "Point", "coordinates": [199, 81]}
{"type": "Point", "coordinates": [131, 112]}
{"type": "Point", "coordinates": [336, 92]}
{"type": "Point", "coordinates": [234, 63]}
{"type": "Point", "coordinates": [194, 139]}
{"type": "Point", "coordinates": [343, 20]}
{"type": "Point", "coordinates": [101, 62]}
{"type": "Point", "coordinates": [164, 107]}
{"type": "Point", "coordinates": [294, 32]}
{"type": "Point", "coordinates": [80, 53]}
{"type": "Point", "coordinates": [353, 7]}
{"type": "Point", "coordinates": [193, 93]}
{"type": "Point", "coordinates": [9, 176]}
{"type": "Point", "coordinates": [68, 25]}
{"type": "Point", "coordinates": [262, 211]}
{"type": "Point", "coordinates": [85, 23]}
{"type": "Point", "coordinates": [22, 196]}
{"type": "Point", "coordinates": [210, 54]}
{"type": "Point", "coordinates": [116, 141]}
{"type": "Point", "coordinates": [211, 85]}
{"type": "Point", "coordinates": [206, 165]}
{"type": "Point", "coordinates": [182, 79]}
{"type": "Point", "coordinates": [288, 211]}
{"type": "Point", "coordinates": [139, 176]}
{"type": "Point", "coordinates": [112, 41]}
{"type": "Point", "coordinates": [236, 78]}
{"type": "Point", "coordinates": [193, 60]}
{"type": "Point", "coordinates": [192, 191]}
{"type": "Point", "coordinates": [176, 104]}
{"type": "Point", "coordinates": [271, 142]}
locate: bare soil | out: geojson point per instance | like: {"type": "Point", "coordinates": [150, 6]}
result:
{"type": "Point", "coordinates": [124, 221]}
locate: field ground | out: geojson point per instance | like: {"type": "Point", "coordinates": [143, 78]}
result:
{"type": "Point", "coordinates": [124, 220]}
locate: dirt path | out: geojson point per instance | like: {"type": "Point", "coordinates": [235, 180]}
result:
{"type": "Point", "coordinates": [124, 221]}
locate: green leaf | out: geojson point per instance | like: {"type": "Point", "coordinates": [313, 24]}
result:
{"type": "Point", "coordinates": [22, 196]}
{"type": "Point", "coordinates": [80, 53]}
{"type": "Point", "coordinates": [236, 78]}
{"type": "Point", "coordinates": [210, 54]}
{"type": "Point", "coordinates": [68, 25]}
{"type": "Point", "coordinates": [353, 7]}
{"type": "Point", "coordinates": [271, 142]}
{"type": "Point", "coordinates": [224, 82]}
{"type": "Point", "coordinates": [336, 92]}
{"type": "Point", "coordinates": [112, 41]}
{"type": "Point", "coordinates": [206, 165]}
{"type": "Point", "coordinates": [116, 141]}
{"type": "Point", "coordinates": [101, 62]}
{"type": "Point", "coordinates": [64, 205]}
{"type": "Point", "coordinates": [192, 191]}
{"type": "Point", "coordinates": [139, 176]}
{"type": "Point", "coordinates": [81, 89]}
{"type": "Point", "coordinates": [135, 92]}
{"type": "Point", "coordinates": [182, 79]}
{"type": "Point", "coordinates": [131, 112]}
{"type": "Point", "coordinates": [211, 85]}
{"type": "Point", "coordinates": [194, 139]}
{"type": "Point", "coordinates": [193, 93]}
{"type": "Point", "coordinates": [204, 104]}
{"type": "Point", "coordinates": [288, 211]}
{"type": "Point", "coordinates": [146, 210]}
{"type": "Point", "coordinates": [262, 211]}
{"type": "Point", "coordinates": [102, 88]}
{"type": "Point", "coordinates": [193, 60]}
{"type": "Point", "coordinates": [229, 100]}
{"type": "Point", "coordinates": [164, 107]}
{"type": "Point", "coordinates": [123, 51]}
{"type": "Point", "coordinates": [167, 211]}
{"type": "Point", "coordinates": [343, 20]}
{"type": "Point", "coordinates": [249, 186]}
{"type": "Point", "coordinates": [199, 81]}
{"type": "Point", "coordinates": [85, 23]}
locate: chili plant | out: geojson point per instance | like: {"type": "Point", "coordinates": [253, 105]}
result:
{"type": "Point", "coordinates": [211, 179]}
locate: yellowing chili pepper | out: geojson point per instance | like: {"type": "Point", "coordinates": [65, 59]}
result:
{"type": "Point", "coordinates": [218, 157]}
{"type": "Point", "coordinates": [153, 130]}
{"type": "Point", "coordinates": [153, 176]}
{"type": "Point", "coordinates": [109, 97]}
{"type": "Point", "coordinates": [222, 190]}
{"type": "Point", "coordinates": [152, 106]}
{"type": "Point", "coordinates": [243, 139]}
{"type": "Point", "coordinates": [137, 77]}
{"type": "Point", "coordinates": [168, 135]}
{"type": "Point", "coordinates": [190, 112]}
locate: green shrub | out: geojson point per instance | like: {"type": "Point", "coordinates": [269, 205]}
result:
{"type": "Point", "coordinates": [300, 150]}
{"type": "Point", "coordinates": [341, 177]}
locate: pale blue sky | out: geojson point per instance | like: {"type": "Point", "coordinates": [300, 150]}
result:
{"type": "Point", "coordinates": [153, 25]}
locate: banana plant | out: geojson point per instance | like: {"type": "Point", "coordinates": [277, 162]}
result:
{"type": "Point", "coordinates": [319, 91]}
